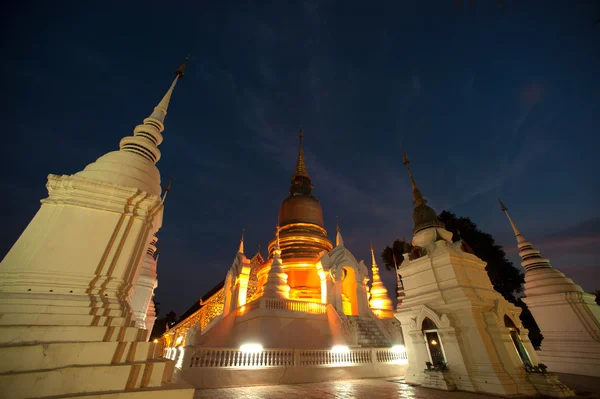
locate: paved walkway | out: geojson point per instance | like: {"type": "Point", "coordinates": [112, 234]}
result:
{"type": "Point", "coordinates": [349, 389]}
{"type": "Point", "coordinates": [373, 389]}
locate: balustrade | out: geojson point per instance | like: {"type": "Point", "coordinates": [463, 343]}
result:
{"type": "Point", "coordinates": [235, 358]}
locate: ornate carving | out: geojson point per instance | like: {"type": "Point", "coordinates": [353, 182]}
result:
{"type": "Point", "coordinates": [440, 321]}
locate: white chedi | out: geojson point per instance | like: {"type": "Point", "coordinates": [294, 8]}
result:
{"type": "Point", "coordinates": [276, 285]}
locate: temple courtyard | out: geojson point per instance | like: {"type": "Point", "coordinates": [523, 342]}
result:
{"type": "Point", "coordinates": [584, 387]}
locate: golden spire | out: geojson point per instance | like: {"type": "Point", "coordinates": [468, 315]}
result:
{"type": "Point", "coordinates": [337, 223]}
{"type": "Point", "coordinates": [373, 263]}
{"type": "Point", "coordinates": [301, 164]}
{"type": "Point", "coordinates": [277, 238]}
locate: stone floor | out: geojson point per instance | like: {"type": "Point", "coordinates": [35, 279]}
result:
{"type": "Point", "coordinates": [371, 389]}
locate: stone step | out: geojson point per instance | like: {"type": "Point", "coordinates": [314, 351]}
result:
{"type": "Point", "coordinates": [82, 379]}
{"type": "Point", "coordinates": [47, 319]}
{"type": "Point", "coordinates": [20, 358]}
{"type": "Point", "coordinates": [14, 308]}
{"type": "Point", "coordinates": [15, 335]}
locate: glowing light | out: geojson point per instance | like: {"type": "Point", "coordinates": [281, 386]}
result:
{"type": "Point", "coordinates": [251, 348]}
{"type": "Point", "coordinates": [178, 340]}
{"type": "Point", "coordinates": [179, 363]}
{"type": "Point", "coordinates": [433, 342]}
{"type": "Point", "coordinates": [340, 349]}
{"type": "Point", "coordinates": [155, 341]}
{"type": "Point", "coordinates": [398, 349]}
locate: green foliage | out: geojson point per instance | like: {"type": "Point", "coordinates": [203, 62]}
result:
{"type": "Point", "coordinates": [505, 278]}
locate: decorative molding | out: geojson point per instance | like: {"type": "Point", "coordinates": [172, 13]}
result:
{"type": "Point", "coordinates": [440, 321]}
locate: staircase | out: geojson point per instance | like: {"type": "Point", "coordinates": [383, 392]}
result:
{"type": "Point", "coordinates": [369, 335]}
{"type": "Point", "coordinates": [50, 349]}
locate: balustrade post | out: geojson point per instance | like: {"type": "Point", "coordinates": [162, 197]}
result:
{"type": "Point", "coordinates": [373, 355]}
{"type": "Point", "coordinates": [296, 359]}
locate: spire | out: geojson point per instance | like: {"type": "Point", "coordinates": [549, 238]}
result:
{"type": "Point", "coordinates": [418, 199]}
{"type": "Point", "coordinates": [373, 263]}
{"type": "Point", "coordinates": [166, 191]}
{"type": "Point", "coordinates": [339, 241]}
{"type": "Point", "coordinates": [241, 249]}
{"type": "Point", "coordinates": [160, 111]}
{"type": "Point", "coordinates": [423, 216]}
{"type": "Point", "coordinates": [301, 164]}
{"type": "Point", "coordinates": [379, 296]}
{"type": "Point", "coordinates": [147, 137]}
{"type": "Point", "coordinates": [301, 183]}
{"type": "Point", "coordinates": [531, 258]}
{"type": "Point", "coordinates": [276, 285]}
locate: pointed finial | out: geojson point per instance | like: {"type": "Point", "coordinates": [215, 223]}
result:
{"type": "Point", "coordinates": [301, 163]}
{"type": "Point", "coordinates": [339, 240]}
{"type": "Point", "coordinates": [373, 262]}
{"type": "Point", "coordinates": [180, 71]}
{"type": "Point", "coordinates": [337, 223]}
{"type": "Point", "coordinates": [502, 206]}
{"type": "Point", "coordinates": [157, 255]}
{"type": "Point", "coordinates": [512, 224]}
{"type": "Point", "coordinates": [167, 189]}
{"type": "Point", "coordinates": [241, 248]}
{"type": "Point", "coordinates": [417, 196]}
{"type": "Point", "coordinates": [277, 237]}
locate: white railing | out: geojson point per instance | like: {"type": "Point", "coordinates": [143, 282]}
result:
{"type": "Point", "coordinates": [327, 357]}
{"type": "Point", "coordinates": [284, 304]}
{"type": "Point", "coordinates": [235, 358]}
{"type": "Point", "coordinates": [391, 356]}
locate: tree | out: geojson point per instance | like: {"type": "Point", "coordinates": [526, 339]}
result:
{"type": "Point", "coordinates": [505, 278]}
{"type": "Point", "coordinates": [160, 325]}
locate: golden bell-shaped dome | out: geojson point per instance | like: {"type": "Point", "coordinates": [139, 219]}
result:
{"type": "Point", "coordinates": [300, 209]}
{"type": "Point", "coordinates": [301, 218]}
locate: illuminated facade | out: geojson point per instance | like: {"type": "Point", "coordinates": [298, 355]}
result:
{"type": "Point", "coordinates": [76, 288]}
{"type": "Point", "coordinates": [307, 295]}
{"type": "Point", "coordinates": [459, 332]}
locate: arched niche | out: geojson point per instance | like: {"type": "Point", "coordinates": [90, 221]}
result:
{"type": "Point", "coordinates": [516, 340]}
{"type": "Point", "coordinates": [349, 291]}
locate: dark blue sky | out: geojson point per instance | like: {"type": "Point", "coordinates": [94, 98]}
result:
{"type": "Point", "coordinates": [496, 102]}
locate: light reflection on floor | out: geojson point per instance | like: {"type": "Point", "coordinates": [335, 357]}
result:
{"type": "Point", "coordinates": [350, 389]}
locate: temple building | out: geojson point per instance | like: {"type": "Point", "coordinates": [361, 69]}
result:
{"type": "Point", "coordinates": [76, 288]}
{"type": "Point", "coordinates": [571, 341]}
{"type": "Point", "coordinates": [308, 303]}
{"type": "Point", "coordinates": [458, 331]}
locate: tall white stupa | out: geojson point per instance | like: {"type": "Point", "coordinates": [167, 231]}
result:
{"type": "Point", "coordinates": [67, 284]}
{"type": "Point", "coordinates": [568, 317]}
{"type": "Point", "coordinates": [459, 332]}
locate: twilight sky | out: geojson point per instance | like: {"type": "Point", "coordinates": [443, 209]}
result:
{"type": "Point", "coordinates": [496, 102]}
